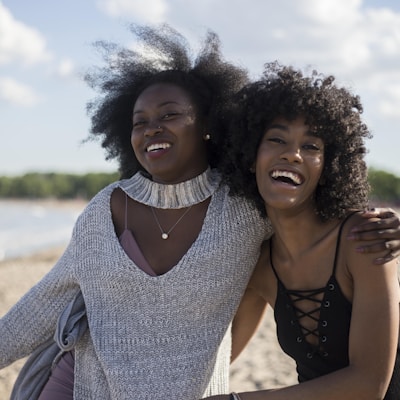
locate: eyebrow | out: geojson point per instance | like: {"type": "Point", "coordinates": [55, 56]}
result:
{"type": "Point", "coordinates": [159, 105]}
{"type": "Point", "coordinates": [277, 126]}
{"type": "Point", "coordinates": [286, 129]}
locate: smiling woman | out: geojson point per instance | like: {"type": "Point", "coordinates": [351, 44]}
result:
{"type": "Point", "coordinates": [284, 147]}
{"type": "Point", "coordinates": [144, 252]}
{"type": "Point", "coordinates": [305, 137]}
{"type": "Point", "coordinates": [166, 128]}
{"type": "Point", "coordinates": [328, 124]}
{"type": "Point", "coordinates": [161, 257]}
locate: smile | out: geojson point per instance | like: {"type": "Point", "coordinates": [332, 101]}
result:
{"type": "Point", "coordinates": [287, 177]}
{"type": "Point", "coordinates": [158, 146]}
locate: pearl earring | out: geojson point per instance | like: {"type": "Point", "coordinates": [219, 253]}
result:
{"type": "Point", "coordinates": [206, 136]}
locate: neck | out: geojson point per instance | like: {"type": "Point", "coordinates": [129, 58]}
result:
{"type": "Point", "coordinates": [295, 234]}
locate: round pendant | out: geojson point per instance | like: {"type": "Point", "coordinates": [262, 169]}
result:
{"type": "Point", "coordinates": [164, 236]}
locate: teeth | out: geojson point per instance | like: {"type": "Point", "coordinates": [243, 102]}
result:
{"type": "Point", "coordinates": [158, 146]}
{"type": "Point", "coordinates": [287, 174]}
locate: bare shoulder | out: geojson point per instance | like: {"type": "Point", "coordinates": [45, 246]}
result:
{"type": "Point", "coordinates": [354, 219]}
{"type": "Point", "coordinates": [117, 205]}
{"type": "Point", "coordinates": [354, 258]}
{"type": "Point", "coordinates": [350, 246]}
{"type": "Point", "coordinates": [117, 196]}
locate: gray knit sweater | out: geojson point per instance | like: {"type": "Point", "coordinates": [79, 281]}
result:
{"type": "Point", "coordinates": [164, 337]}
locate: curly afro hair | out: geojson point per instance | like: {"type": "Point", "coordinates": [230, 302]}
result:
{"type": "Point", "coordinates": [162, 56]}
{"type": "Point", "coordinates": [332, 113]}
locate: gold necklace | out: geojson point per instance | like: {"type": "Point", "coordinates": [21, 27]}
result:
{"type": "Point", "coordinates": [165, 235]}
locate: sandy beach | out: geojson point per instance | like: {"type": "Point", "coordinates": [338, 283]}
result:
{"type": "Point", "coordinates": [261, 365]}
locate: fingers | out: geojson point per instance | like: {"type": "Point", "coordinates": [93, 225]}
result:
{"type": "Point", "coordinates": [390, 222]}
{"type": "Point", "coordinates": [388, 250]}
{"type": "Point", "coordinates": [379, 212]}
{"type": "Point", "coordinates": [381, 234]}
{"type": "Point", "coordinates": [385, 259]}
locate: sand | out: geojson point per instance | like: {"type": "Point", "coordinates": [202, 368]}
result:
{"type": "Point", "coordinates": [261, 365]}
{"type": "Point", "coordinates": [16, 277]}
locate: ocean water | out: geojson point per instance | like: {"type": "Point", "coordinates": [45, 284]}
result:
{"type": "Point", "coordinates": [30, 226]}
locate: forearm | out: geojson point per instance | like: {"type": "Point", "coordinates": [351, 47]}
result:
{"type": "Point", "coordinates": [345, 384]}
{"type": "Point", "coordinates": [32, 320]}
{"type": "Point", "coordinates": [247, 320]}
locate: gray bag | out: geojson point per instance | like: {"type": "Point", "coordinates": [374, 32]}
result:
{"type": "Point", "coordinates": [71, 325]}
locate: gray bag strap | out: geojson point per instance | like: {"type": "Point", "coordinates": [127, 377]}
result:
{"type": "Point", "coordinates": [71, 325]}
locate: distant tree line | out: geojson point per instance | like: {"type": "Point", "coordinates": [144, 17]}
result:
{"type": "Point", "coordinates": [57, 185]}
{"type": "Point", "coordinates": [385, 186]}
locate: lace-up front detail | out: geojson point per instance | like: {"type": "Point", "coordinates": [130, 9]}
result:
{"type": "Point", "coordinates": [306, 307]}
{"type": "Point", "coordinates": [313, 325]}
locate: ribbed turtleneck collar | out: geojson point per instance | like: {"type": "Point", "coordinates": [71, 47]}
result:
{"type": "Point", "coordinates": [180, 195]}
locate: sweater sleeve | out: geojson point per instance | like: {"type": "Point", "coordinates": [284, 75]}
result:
{"type": "Point", "coordinates": [32, 320]}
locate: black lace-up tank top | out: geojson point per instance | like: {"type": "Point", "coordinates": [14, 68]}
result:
{"type": "Point", "coordinates": [332, 316]}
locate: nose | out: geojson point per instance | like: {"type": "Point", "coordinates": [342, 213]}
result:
{"type": "Point", "coordinates": [153, 129]}
{"type": "Point", "coordinates": [292, 154]}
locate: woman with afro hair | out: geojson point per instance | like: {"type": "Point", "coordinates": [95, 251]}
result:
{"type": "Point", "coordinates": [156, 255]}
{"type": "Point", "coordinates": [297, 153]}
{"type": "Point", "coordinates": [160, 259]}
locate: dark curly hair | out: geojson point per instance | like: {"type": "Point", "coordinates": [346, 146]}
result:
{"type": "Point", "coordinates": [332, 113]}
{"type": "Point", "coordinates": [163, 56]}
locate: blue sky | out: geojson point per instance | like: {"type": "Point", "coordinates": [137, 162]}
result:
{"type": "Point", "coordinates": [45, 47]}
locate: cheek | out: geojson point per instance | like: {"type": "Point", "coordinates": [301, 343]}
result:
{"type": "Point", "coordinates": [135, 142]}
{"type": "Point", "coordinates": [262, 160]}
{"type": "Point", "coordinates": [261, 170]}
{"type": "Point", "coordinates": [318, 165]}
{"type": "Point", "coordinates": [319, 162]}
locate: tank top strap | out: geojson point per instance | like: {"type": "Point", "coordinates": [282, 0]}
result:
{"type": "Point", "coordinates": [338, 240]}
{"type": "Point", "coordinates": [336, 250]}
{"type": "Point", "coordinates": [271, 263]}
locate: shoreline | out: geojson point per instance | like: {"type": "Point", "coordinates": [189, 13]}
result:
{"type": "Point", "coordinates": [29, 226]}
{"type": "Point", "coordinates": [51, 202]}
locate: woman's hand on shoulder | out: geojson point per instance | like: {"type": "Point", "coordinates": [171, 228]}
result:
{"type": "Point", "coordinates": [379, 234]}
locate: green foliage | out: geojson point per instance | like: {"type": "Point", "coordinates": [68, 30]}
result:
{"type": "Point", "coordinates": [58, 185]}
{"type": "Point", "coordinates": [385, 187]}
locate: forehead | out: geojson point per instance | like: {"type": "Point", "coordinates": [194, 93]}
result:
{"type": "Point", "coordinates": [297, 124]}
{"type": "Point", "coordinates": [283, 121]}
{"type": "Point", "coordinates": [161, 93]}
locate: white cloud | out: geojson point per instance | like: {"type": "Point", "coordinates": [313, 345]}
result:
{"type": "Point", "coordinates": [356, 40]}
{"type": "Point", "coordinates": [359, 44]}
{"type": "Point", "coordinates": [65, 68]}
{"type": "Point", "coordinates": [389, 105]}
{"type": "Point", "coordinates": [153, 11]}
{"type": "Point", "coordinates": [390, 108]}
{"type": "Point", "coordinates": [18, 42]}
{"type": "Point", "coordinates": [338, 36]}
{"type": "Point", "coordinates": [331, 12]}
{"type": "Point", "coordinates": [383, 30]}
{"type": "Point", "coordinates": [17, 93]}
